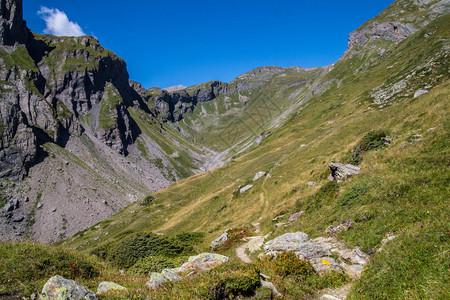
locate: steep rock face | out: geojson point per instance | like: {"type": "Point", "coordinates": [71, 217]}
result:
{"type": "Point", "coordinates": [82, 79]}
{"type": "Point", "coordinates": [12, 27]}
{"type": "Point", "coordinates": [56, 87]}
{"type": "Point", "coordinates": [171, 106]}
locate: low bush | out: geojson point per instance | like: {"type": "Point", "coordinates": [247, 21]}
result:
{"type": "Point", "coordinates": [353, 195]}
{"type": "Point", "coordinates": [25, 267]}
{"type": "Point", "coordinates": [287, 263]}
{"type": "Point", "coordinates": [126, 251]}
{"type": "Point", "coordinates": [325, 194]}
{"type": "Point", "coordinates": [373, 140]}
{"type": "Point", "coordinates": [231, 280]}
{"type": "Point", "coordinates": [149, 264]}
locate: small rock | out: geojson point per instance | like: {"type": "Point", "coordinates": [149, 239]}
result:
{"type": "Point", "coordinates": [278, 225]}
{"type": "Point", "coordinates": [156, 279]}
{"type": "Point", "coordinates": [219, 241]}
{"type": "Point", "coordinates": [390, 238]}
{"type": "Point", "coordinates": [419, 93]}
{"type": "Point", "coordinates": [294, 217]}
{"type": "Point", "coordinates": [171, 275]}
{"type": "Point", "coordinates": [39, 205]}
{"type": "Point", "coordinates": [18, 219]}
{"type": "Point", "coordinates": [389, 67]}
{"type": "Point", "coordinates": [58, 287]}
{"type": "Point", "coordinates": [54, 209]}
{"type": "Point", "coordinates": [331, 122]}
{"type": "Point", "coordinates": [245, 188]}
{"type": "Point", "coordinates": [270, 286]}
{"type": "Point", "coordinates": [27, 199]}
{"type": "Point", "coordinates": [325, 264]}
{"type": "Point", "coordinates": [344, 226]}
{"type": "Point", "coordinates": [278, 217]}
{"type": "Point", "coordinates": [415, 138]}
{"type": "Point", "coordinates": [259, 175]}
{"type": "Point", "coordinates": [354, 271]}
{"type": "Point", "coordinates": [311, 183]}
{"type": "Point", "coordinates": [328, 297]}
{"type": "Point", "coordinates": [106, 286]}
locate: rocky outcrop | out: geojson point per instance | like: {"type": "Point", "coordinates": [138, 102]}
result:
{"type": "Point", "coordinates": [340, 172]}
{"type": "Point", "coordinates": [391, 31]}
{"type": "Point", "coordinates": [59, 288]}
{"type": "Point", "coordinates": [297, 242]}
{"type": "Point", "coordinates": [12, 26]}
{"type": "Point", "coordinates": [202, 262]}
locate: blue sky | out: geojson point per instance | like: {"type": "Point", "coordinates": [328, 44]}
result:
{"type": "Point", "coordinates": [167, 43]}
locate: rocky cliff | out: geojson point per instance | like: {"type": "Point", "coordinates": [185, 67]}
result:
{"type": "Point", "coordinates": [68, 117]}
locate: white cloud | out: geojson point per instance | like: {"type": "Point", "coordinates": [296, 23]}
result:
{"type": "Point", "coordinates": [58, 23]}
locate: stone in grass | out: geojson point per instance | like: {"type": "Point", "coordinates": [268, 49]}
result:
{"type": "Point", "coordinates": [419, 93]}
{"type": "Point", "coordinates": [106, 286]}
{"type": "Point", "coordinates": [156, 279]}
{"type": "Point", "coordinates": [59, 288]}
{"type": "Point", "coordinates": [297, 242]}
{"type": "Point", "coordinates": [219, 241]}
{"type": "Point", "coordinates": [354, 271]}
{"type": "Point", "coordinates": [340, 172]}
{"type": "Point", "coordinates": [206, 257]}
{"type": "Point", "coordinates": [171, 275]}
{"type": "Point", "coordinates": [245, 188]}
{"type": "Point", "coordinates": [259, 175]}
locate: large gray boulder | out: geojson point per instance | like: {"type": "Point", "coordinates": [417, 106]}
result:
{"type": "Point", "coordinates": [297, 242]}
{"type": "Point", "coordinates": [59, 288]}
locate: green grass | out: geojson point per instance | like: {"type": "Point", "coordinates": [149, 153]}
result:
{"type": "Point", "coordinates": [25, 267]}
{"type": "Point", "coordinates": [107, 116]}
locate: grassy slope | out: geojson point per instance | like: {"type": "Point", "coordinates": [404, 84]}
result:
{"type": "Point", "coordinates": [403, 189]}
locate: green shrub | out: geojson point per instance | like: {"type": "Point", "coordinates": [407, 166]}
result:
{"type": "Point", "coordinates": [231, 280]}
{"type": "Point", "coordinates": [326, 193]}
{"type": "Point", "coordinates": [353, 195]}
{"type": "Point", "coordinates": [234, 236]}
{"type": "Point", "coordinates": [150, 264]}
{"type": "Point", "coordinates": [373, 140]}
{"type": "Point", "coordinates": [147, 201]}
{"type": "Point", "coordinates": [126, 251]}
{"type": "Point", "coordinates": [287, 263]}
